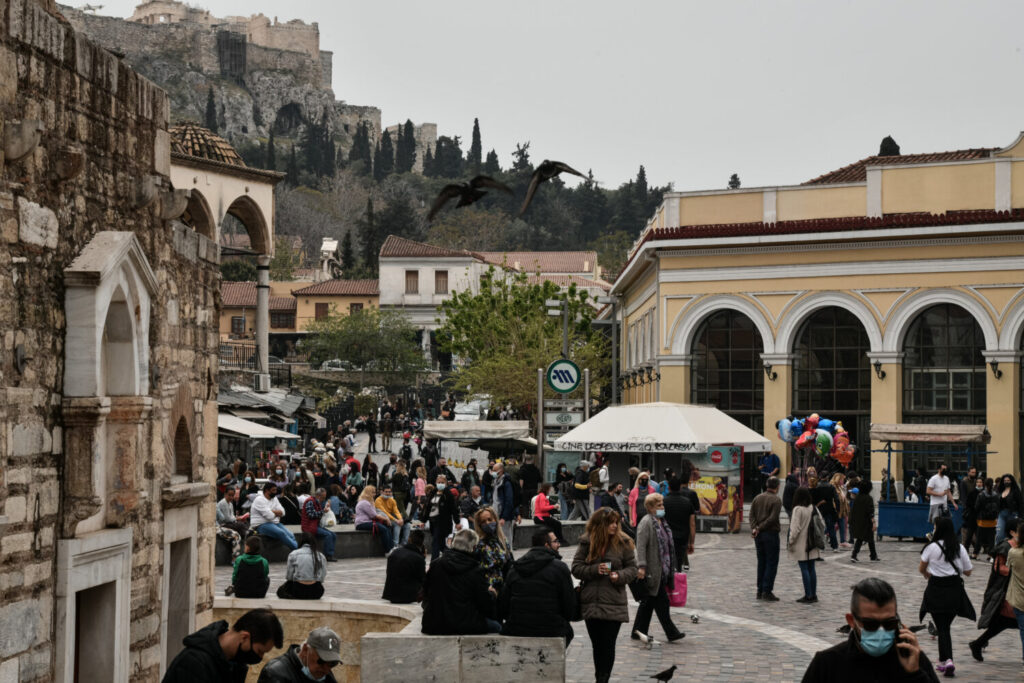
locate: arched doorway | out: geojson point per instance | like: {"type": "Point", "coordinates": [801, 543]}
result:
{"type": "Point", "coordinates": [832, 374]}
{"type": "Point", "coordinates": [726, 372]}
{"type": "Point", "coordinates": [943, 382]}
{"type": "Point", "coordinates": [182, 449]}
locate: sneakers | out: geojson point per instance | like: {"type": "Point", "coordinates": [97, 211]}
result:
{"type": "Point", "coordinates": [854, 559]}
{"type": "Point", "coordinates": [769, 597]}
{"type": "Point", "coordinates": [950, 670]}
{"type": "Point", "coordinates": [940, 667]}
{"type": "Point", "coordinates": [976, 648]}
{"type": "Point", "coordinates": [876, 559]}
{"type": "Point", "coordinates": [686, 567]}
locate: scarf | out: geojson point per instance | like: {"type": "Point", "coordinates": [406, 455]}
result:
{"type": "Point", "coordinates": [664, 548]}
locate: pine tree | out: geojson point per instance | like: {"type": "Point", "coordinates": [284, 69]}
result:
{"type": "Point", "coordinates": [409, 156]}
{"type": "Point", "coordinates": [270, 160]}
{"type": "Point", "coordinates": [475, 149]}
{"type": "Point", "coordinates": [641, 185]}
{"type": "Point", "coordinates": [370, 239]}
{"type": "Point", "coordinates": [521, 158]}
{"type": "Point", "coordinates": [211, 110]}
{"type": "Point", "coordinates": [348, 257]}
{"type": "Point", "coordinates": [491, 165]}
{"type": "Point", "coordinates": [448, 157]}
{"type": "Point", "coordinates": [361, 150]}
{"type": "Point", "coordinates": [292, 169]}
{"type": "Point", "coordinates": [734, 181]}
{"type": "Point", "coordinates": [400, 218]}
{"type": "Point", "coordinates": [384, 163]}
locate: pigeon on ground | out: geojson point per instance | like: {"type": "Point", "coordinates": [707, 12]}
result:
{"type": "Point", "coordinates": [466, 192]}
{"type": "Point", "coordinates": [667, 674]}
{"type": "Point", "coordinates": [646, 639]}
{"type": "Point", "coordinates": [545, 172]}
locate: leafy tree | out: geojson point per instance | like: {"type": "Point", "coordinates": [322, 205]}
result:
{"type": "Point", "coordinates": [361, 150]}
{"type": "Point", "coordinates": [271, 158]}
{"type": "Point", "coordinates": [400, 218]}
{"type": "Point", "coordinates": [371, 339]}
{"type": "Point", "coordinates": [447, 157]}
{"type": "Point", "coordinates": [505, 334]}
{"type": "Point", "coordinates": [286, 259]}
{"type": "Point", "coordinates": [475, 158]}
{"type": "Point", "coordinates": [591, 207]}
{"type": "Point", "coordinates": [348, 256]}
{"type": "Point", "coordinates": [211, 110]}
{"type": "Point", "coordinates": [491, 165]}
{"type": "Point", "coordinates": [384, 163]}
{"type": "Point", "coordinates": [521, 158]}
{"type": "Point", "coordinates": [291, 170]}
{"type": "Point", "coordinates": [734, 182]}
{"type": "Point", "coordinates": [238, 270]}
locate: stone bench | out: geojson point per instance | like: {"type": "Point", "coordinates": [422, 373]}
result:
{"type": "Point", "coordinates": [524, 533]}
{"type": "Point", "coordinates": [349, 544]}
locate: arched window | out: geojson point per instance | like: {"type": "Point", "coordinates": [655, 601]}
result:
{"type": "Point", "coordinates": [943, 381]}
{"type": "Point", "coordinates": [182, 449]}
{"type": "Point", "coordinates": [832, 372]}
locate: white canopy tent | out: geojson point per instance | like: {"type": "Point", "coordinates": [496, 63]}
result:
{"type": "Point", "coordinates": [254, 430]}
{"type": "Point", "coordinates": [660, 428]}
{"type": "Point", "coordinates": [470, 430]}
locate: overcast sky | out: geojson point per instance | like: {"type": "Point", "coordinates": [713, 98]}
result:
{"type": "Point", "coordinates": [778, 92]}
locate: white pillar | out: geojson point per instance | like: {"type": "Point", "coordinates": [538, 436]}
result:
{"type": "Point", "coordinates": [263, 313]}
{"type": "Point", "coordinates": [426, 349]}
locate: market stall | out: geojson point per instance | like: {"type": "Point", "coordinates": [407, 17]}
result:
{"type": "Point", "coordinates": [238, 437]}
{"type": "Point", "coordinates": [910, 520]}
{"type": "Point", "coordinates": [659, 435]}
{"type": "Point", "coordinates": [493, 436]}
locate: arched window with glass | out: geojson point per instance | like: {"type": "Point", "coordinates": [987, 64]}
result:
{"type": "Point", "coordinates": [943, 382]}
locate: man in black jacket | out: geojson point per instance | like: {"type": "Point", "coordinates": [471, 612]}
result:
{"type": "Point", "coordinates": [442, 469]}
{"type": "Point", "coordinates": [681, 518]}
{"type": "Point", "coordinates": [407, 567]}
{"type": "Point", "coordinates": [215, 653]}
{"type": "Point", "coordinates": [307, 663]}
{"type": "Point", "coordinates": [880, 647]}
{"type": "Point", "coordinates": [529, 482]}
{"type": "Point", "coordinates": [455, 596]}
{"type": "Point", "coordinates": [581, 492]}
{"type": "Point", "coordinates": [538, 599]}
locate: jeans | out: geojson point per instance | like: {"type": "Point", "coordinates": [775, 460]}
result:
{"type": "Point", "coordinates": [400, 532]}
{"type": "Point", "coordinates": [437, 543]}
{"type": "Point", "coordinates": [871, 547]}
{"type": "Point", "coordinates": [277, 531]}
{"type": "Point", "coordinates": [378, 528]}
{"type": "Point", "coordinates": [1001, 521]}
{"type": "Point", "coordinates": [327, 539]}
{"type": "Point", "coordinates": [830, 529]}
{"type": "Point", "coordinates": [563, 504]}
{"type": "Point", "coordinates": [766, 543]}
{"type": "Point", "coordinates": [372, 447]}
{"type": "Point", "coordinates": [603, 634]}
{"type": "Point", "coordinates": [655, 604]}
{"type": "Point", "coordinates": [1020, 625]}
{"type": "Point", "coordinates": [842, 529]}
{"type": "Point", "coordinates": [580, 509]}
{"type": "Point", "coordinates": [942, 624]}
{"type": "Point", "coordinates": [810, 578]}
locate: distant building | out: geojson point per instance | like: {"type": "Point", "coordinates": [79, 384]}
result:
{"type": "Point", "coordinates": [342, 297]}
{"type": "Point", "coordinates": [238, 310]}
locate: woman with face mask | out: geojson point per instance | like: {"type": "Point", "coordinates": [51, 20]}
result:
{"type": "Point", "coordinates": [1009, 505]}
{"type": "Point", "coordinates": [495, 554]}
{"type": "Point", "coordinates": [986, 508]}
{"type": "Point", "coordinates": [470, 477]}
{"type": "Point", "coordinates": [656, 560]}
{"type": "Point", "coordinates": [640, 491]}
{"type": "Point", "coordinates": [944, 563]}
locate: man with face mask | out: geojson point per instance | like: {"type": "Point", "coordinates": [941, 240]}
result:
{"type": "Point", "coordinates": [217, 654]}
{"type": "Point", "coordinates": [311, 661]}
{"type": "Point", "coordinates": [879, 648]}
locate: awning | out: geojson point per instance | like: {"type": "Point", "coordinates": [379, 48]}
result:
{"type": "Point", "coordinates": [320, 420]}
{"type": "Point", "coordinates": [476, 429]}
{"type": "Point", "coordinates": [282, 419]}
{"type": "Point", "coordinates": [248, 413]}
{"type": "Point", "coordinates": [660, 428]}
{"type": "Point", "coordinates": [236, 425]}
{"type": "Point", "coordinates": [934, 433]}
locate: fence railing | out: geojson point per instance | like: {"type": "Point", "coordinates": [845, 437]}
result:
{"type": "Point", "coordinates": [239, 354]}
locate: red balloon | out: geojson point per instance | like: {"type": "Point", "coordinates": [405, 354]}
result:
{"type": "Point", "coordinates": [806, 439]}
{"type": "Point", "coordinates": [812, 421]}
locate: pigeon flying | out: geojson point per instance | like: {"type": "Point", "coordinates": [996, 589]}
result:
{"type": "Point", "coordinates": [545, 172]}
{"type": "Point", "coordinates": [466, 192]}
{"type": "Point", "coordinates": [666, 674]}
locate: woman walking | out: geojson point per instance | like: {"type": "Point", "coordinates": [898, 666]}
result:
{"type": "Point", "coordinates": [799, 529]}
{"type": "Point", "coordinates": [655, 560]}
{"type": "Point", "coordinates": [1009, 505]}
{"type": "Point", "coordinates": [862, 521]}
{"type": "Point", "coordinates": [996, 613]}
{"type": "Point", "coordinates": [987, 508]}
{"type": "Point", "coordinates": [604, 563]}
{"type": "Point", "coordinates": [640, 491]}
{"type": "Point", "coordinates": [843, 508]}
{"type": "Point", "coordinates": [492, 548]}
{"type": "Point", "coordinates": [944, 563]}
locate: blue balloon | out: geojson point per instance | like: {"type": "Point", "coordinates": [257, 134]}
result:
{"type": "Point", "coordinates": [827, 425]}
{"type": "Point", "coordinates": [796, 428]}
{"type": "Point", "coordinates": [783, 426]}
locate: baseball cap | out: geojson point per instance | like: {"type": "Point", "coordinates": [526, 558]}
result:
{"type": "Point", "coordinates": [326, 643]}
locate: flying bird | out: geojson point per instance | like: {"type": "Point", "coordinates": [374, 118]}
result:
{"type": "Point", "coordinates": [667, 674]}
{"type": "Point", "coordinates": [466, 192]}
{"type": "Point", "coordinates": [545, 172]}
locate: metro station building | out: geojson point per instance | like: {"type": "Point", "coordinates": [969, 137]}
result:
{"type": "Point", "coordinates": [890, 290]}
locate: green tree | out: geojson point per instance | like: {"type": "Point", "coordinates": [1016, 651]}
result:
{"type": "Point", "coordinates": [612, 250]}
{"type": "Point", "coordinates": [475, 158]}
{"type": "Point", "coordinates": [505, 334]}
{"type": "Point", "coordinates": [348, 257]}
{"type": "Point", "coordinates": [401, 218]}
{"type": "Point", "coordinates": [491, 165]}
{"type": "Point", "coordinates": [211, 110]}
{"type": "Point", "coordinates": [428, 164]}
{"type": "Point", "coordinates": [521, 159]}
{"type": "Point", "coordinates": [384, 163]}
{"type": "Point", "coordinates": [291, 170]}
{"type": "Point", "coordinates": [371, 339]}
{"type": "Point", "coordinates": [734, 182]}
{"type": "Point", "coordinates": [405, 150]}
{"type": "Point", "coordinates": [370, 237]}
{"type": "Point", "coordinates": [238, 270]}
{"type": "Point", "coordinates": [285, 260]}
{"type": "Point", "coordinates": [448, 157]}
{"type": "Point", "coordinates": [271, 158]}
{"type": "Point", "coordinates": [361, 150]}
{"type": "Point", "coordinates": [641, 186]}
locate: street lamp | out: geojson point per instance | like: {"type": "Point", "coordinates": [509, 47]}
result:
{"type": "Point", "coordinates": [561, 310]}
{"type": "Point", "coordinates": [612, 301]}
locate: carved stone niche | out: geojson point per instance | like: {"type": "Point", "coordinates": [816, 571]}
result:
{"type": "Point", "coordinates": [126, 425]}
{"type": "Point", "coordinates": [84, 444]}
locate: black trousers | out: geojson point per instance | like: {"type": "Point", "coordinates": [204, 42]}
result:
{"type": "Point", "coordinates": [681, 557]}
{"type": "Point", "coordinates": [871, 547]}
{"type": "Point", "coordinates": [998, 624]}
{"type": "Point", "coordinates": [942, 623]}
{"type": "Point", "coordinates": [603, 634]}
{"type": "Point", "coordinates": [293, 590]}
{"type": "Point", "coordinates": [655, 604]}
{"type": "Point", "coordinates": [553, 524]}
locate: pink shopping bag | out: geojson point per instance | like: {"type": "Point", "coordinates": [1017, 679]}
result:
{"type": "Point", "coordinates": [677, 591]}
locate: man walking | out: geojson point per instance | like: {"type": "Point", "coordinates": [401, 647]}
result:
{"type": "Point", "coordinates": [765, 528]}
{"type": "Point", "coordinates": [679, 514]}
{"type": "Point", "coordinates": [581, 492]}
{"type": "Point", "coordinates": [940, 494]}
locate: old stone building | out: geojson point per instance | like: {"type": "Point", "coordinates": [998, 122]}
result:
{"type": "Point", "coordinates": [108, 364]}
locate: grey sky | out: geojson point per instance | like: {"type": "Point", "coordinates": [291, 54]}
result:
{"type": "Point", "coordinates": [778, 92]}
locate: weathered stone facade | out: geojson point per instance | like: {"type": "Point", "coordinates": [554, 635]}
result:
{"type": "Point", "coordinates": [107, 366]}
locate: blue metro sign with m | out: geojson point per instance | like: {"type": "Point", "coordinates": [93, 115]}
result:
{"type": "Point", "coordinates": [564, 376]}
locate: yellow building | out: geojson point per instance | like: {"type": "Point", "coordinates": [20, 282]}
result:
{"type": "Point", "coordinates": [890, 290]}
{"type": "Point", "coordinates": [344, 296]}
{"type": "Point", "coordinates": [238, 310]}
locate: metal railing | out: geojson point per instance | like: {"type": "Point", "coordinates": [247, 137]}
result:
{"type": "Point", "coordinates": [239, 354]}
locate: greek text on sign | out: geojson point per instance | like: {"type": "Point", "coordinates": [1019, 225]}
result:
{"type": "Point", "coordinates": [564, 376]}
{"type": "Point", "coordinates": [562, 419]}
{"type": "Point", "coordinates": [563, 404]}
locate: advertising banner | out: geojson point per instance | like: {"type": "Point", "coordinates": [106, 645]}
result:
{"type": "Point", "coordinates": [720, 486]}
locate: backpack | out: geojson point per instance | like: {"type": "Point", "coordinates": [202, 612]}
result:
{"type": "Point", "coordinates": [816, 531]}
{"type": "Point", "coordinates": [406, 452]}
{"type": "Point", "coordinates": [595, 477]}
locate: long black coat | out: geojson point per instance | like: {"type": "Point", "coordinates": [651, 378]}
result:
{"type": "Point", "coordinates": [455, 596]}
{"type": "Point", "coordinates": [846, 663]}
{"type": "Point", "coordinates": [537, 599]}
{"type": "Point", "coordinates": [407, 568]}
{"type": "Point", "coordinates": [995, 591]}
{"type": "Point", "coordinates": [448, 515]}
{"type": "Point", "coordinates": [862, 514]}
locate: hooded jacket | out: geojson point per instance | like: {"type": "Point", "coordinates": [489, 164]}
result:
{"type": "Point", "coordinates": [202, 660]}
{"type": "Point", "coordinates": [287, 669]}
{"type": "Point", "coordinates": [538, 598]}
{"type": "Point", "coordinates": [455, 596]}
{"type": "Point", "coordinates": [406, 570]}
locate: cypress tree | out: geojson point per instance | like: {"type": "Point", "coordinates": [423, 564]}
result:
{"type": "Point", "coordinates": [271, 158]}
{"type": "Point", "coordinates": [384, 165]}
{"type": "Point", "coordinates": [292, 169]}
{"type": "Point", "coordinates": [491, 165]}
{"type": "Point", "coordinates": [327, 152]}
{"type": "Point", "coordinates": [641, 185]}
{"type": "Point", "coordinates": [368, 235]}
{"type": "Point", "coordinates": [428, 164]}
{"type": "Point", "coordinates": [211, 110]}
{"type": "Point", "coordinates": [361, 150]}
{"type": "Point", "coordinates": [377, 163]}
{"type": "Point", "coordinates": [475, 149]}
{"type": "Point", "coordinates": [348, 258]}
{"type": "Point", "coordinates": [409, 157]}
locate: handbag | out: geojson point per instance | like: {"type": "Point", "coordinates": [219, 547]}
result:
{"type": "Point", "coordinates": [328, 519]}
{"type": "Point", "coordinates": [677, 591]}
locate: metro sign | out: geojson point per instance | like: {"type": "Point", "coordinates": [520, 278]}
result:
{"type": "Point", "coordinates": [564, 376]}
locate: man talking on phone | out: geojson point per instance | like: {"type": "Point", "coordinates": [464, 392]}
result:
{"type": "Point", "coordinates": [880, 647]}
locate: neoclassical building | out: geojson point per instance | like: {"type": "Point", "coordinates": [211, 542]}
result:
{"type": "Point", "coordinates": [890, 290]}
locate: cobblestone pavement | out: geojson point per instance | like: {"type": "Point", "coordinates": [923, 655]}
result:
{"type": "Point", "coordinates": [739, 638]}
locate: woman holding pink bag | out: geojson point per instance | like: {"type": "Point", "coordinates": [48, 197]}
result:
{"type": "Point", "coordinates": [655, 558]}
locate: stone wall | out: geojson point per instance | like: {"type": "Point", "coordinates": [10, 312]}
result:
{"type": "Point", "coordinates": [95, 160]}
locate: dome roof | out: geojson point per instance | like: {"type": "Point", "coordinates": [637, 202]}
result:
{"type": "Point", "coordinates": [193, 140]}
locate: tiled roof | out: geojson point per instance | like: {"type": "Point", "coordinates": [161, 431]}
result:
{"type": "Point", "coordinates": [243, 295]}
{"type": "Point", "coordinates": [193, 140]}
{"type": "Point", "coordinates": [341, 288]}
{"type": "Point", "coordinates": [544, 261]}
{"type": "Point", "coordinates": [857, 171]}
{"type": "Point", "coordinates": [282, 303]}
{"type": "Point", "coordinates": [399, 247]}
{"type": "Point", "coordinates": [566, 280]}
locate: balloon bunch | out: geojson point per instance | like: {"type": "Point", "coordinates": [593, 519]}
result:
{"type": "Point", "coordinates": [819, 434]}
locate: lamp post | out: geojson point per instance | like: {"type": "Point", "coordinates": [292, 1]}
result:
{"type": "Point", "coordinates": [560, 307]}
{"type": "Point", "coordinates": [613, 301]}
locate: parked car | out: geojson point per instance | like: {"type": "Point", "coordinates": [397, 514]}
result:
{"type": "Point", "coordinates": [336, 365]}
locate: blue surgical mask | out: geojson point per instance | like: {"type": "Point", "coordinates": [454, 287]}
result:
{"type": "Point", "coordinates": [660, 513]}
{"type": "Point", "coordinates": [877, 643]}
{"type": "Point", "coordinates": [308, 674]}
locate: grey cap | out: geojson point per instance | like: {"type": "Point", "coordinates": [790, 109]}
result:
{"type": "Point", "coordinates": [326, 643]}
